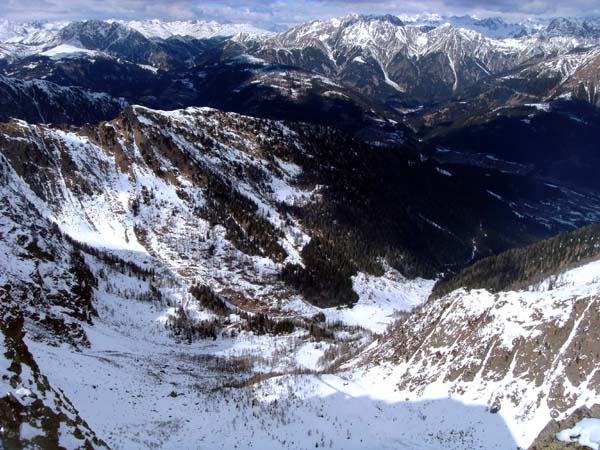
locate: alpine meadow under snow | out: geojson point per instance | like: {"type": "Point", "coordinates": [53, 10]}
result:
{"type": "Point", "coordinates": [364, 232]}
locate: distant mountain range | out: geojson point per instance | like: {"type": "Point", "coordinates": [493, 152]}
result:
{"type": "Point", "coordinates": [492, 27]}
{"type": "Point", "coordinates": [417, 61]}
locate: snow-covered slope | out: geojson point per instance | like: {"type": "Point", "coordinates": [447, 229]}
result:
{"type": "Point", "coordinates": [173, 392]}
{"type": "Point", "coordinates": [529, 354]}
{"type": "Point", "coordinates": [165, 253]}
{"type": "Point", "coordinates": [215, 197]}
{"type": "Point", "coordinates": [105, 230]}
{"type": "Point", "coordinates": [231, 391]}
{"type": "Point", "coordinates": [34, 414]}
{"type": "Point", "coordinates": [113, 212]}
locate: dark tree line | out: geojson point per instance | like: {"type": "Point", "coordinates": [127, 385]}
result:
{"type": "Point", "coordinates": [245, 227]}
{"type": "Point", "coordinates": [521, 267]}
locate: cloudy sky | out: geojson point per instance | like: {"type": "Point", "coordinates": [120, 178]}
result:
{"type": "Point", "coordinates": [281, 13]}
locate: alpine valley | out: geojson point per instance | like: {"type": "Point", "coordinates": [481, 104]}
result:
{"type": "Point", "coordinates": [367, 232]}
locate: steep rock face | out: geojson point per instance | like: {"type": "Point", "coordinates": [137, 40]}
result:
{"type": "Point", "coordinates": [381, 49]}
{"type": "Point", "coordinates": [530, 354]}
{"type": "Point", "coordinates": [47, 277]}
{"type": "Point", "coordinates": [547, 439]}
{"type": "Point", "coordinates": [568, 74]}
{"type": "Point", "coordinates": [33, 414]}
{"type": "Point", "coordinates": [124, 172]}
{"type": "Point", "coordinates": [584, 82]}
{"type": "Point", "coordinates": [46, 291]}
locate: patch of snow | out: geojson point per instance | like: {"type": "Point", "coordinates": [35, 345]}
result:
{"type": "Point", "coordinates": [248, 59]}
{"type": "Point", "coordinates": [586, 433]}
{"type": "Point", "coordinates": [392, 83]}
{"type": "Point", "coordinates": [496, 196]}
{"type": "Point", "coordinates": [67, 51]}
{"type": "Point", "coordinates": [443, 172]}
{"type": "Point", "coordinates": [545, 107]}
{"type": "Point", "coordinates": [380, 298]}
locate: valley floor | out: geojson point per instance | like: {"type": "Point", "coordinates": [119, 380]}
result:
{"type": "Point", "coordinates": [138, 388]}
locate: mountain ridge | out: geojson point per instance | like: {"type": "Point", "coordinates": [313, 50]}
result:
{"type": "Point", "coordinates": [515, 347]}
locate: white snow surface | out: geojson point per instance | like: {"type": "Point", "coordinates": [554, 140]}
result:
{"type": "Point", "coordinates": [586, 433]}
{"type": "Point", "coordinates": [380, 298]}
{"type": "Point", "coordinates": [66, 51]}
{"type": "Point", "coordinates": [29, 33]}
{"type": "Point", "coordinates": [161, 390]}
{"type": "Point", "coordinates": [511, 317]}
{"type": "Point", "coordinates": [163, 387]}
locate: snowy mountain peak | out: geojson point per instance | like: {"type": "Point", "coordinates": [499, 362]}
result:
{"type": "Point", "coordinates": [42, 32]}
{"type": "Point", "coordinates": [389, 18]}
{"type": "Point", "coordinates": [491, 27]}
{"type": "Point", "coordinates": [197, 29]}
{"type": "Point", "coordinates": [29, 33]}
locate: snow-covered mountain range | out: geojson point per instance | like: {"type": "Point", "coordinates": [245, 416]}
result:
{"type": "Point", "coordinates": [412, 62]}
{"type": "Point", "coordinates": [493, 27]}
{"type": "Point", "coordinates": [197, 29]}
{"type": "Point", "coordinates": [29, 32]}
{"type": "Point", "coordinates": [43, 32]}
{"type": "Point", "coordinates": [362, 232]}
{"type": "Point", "coordinates": [402, 63]}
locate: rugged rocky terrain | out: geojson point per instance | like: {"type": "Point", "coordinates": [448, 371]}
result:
{"type": "Point", "coordinates": [216, 225]}
{"type": "Point", "coordinates": [350, 232]}
{"type": "Point", "coordinates": [516, 332]}
{"type": "Point", "coordinates": [395, 62]}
